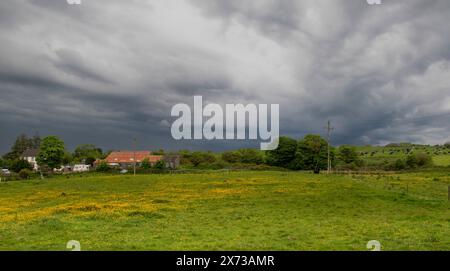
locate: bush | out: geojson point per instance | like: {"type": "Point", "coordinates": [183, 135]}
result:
{"type": "Point", "coordinates": [423, 159]}
{"type": "Point", "coordinates": [103, 167]}
{"type": "Point", "coordinates": [348, 154]}
{"type": "Point", "coordinates": [411, 161]}
{"type": "Point", "coordinates": [284, 154]}
{"type": "Point", "coordinates": [20, 164]}
{"type": "Point", "coordinates": [218, 165]}
{"type": "Point", "coordinates": [197, 158]}
{"type": "Point", "coordinates": [400, 164]}
{"type": "Point", "coordinates": [231, 157]}
{"type": "Point", "coordinates": [25, 173]}
{"type": "Point", "coordinates": [90, 161]}
{"type": "Point", "coordinates": [160, 164]}
{"type": "Point", "coordinates": [312, 154]}
{"type": "Point", "coordinates": [251, 156]}
{"type": "Point", "coordinates": [419, 160]}
{"type": "Point", "coordinates": [146, 164]}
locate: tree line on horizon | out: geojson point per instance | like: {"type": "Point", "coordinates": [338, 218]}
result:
{"type": "Point", "coordinates": [308, 153]}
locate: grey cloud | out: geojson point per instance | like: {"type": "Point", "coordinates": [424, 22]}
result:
{"type": "Point", "coordinates": [107, 71]}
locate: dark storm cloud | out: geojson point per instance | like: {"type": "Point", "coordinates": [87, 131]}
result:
{"type": "Point", "coordinates": [106, 71]}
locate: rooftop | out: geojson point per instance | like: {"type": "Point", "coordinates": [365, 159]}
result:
{"type": "Point", "coordinates": [128, 157]}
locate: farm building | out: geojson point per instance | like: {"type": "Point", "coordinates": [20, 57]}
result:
{"type": "Point", "coordinates": [125, 159]}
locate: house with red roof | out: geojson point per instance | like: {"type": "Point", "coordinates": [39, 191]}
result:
{"type": "Point", "coordinates": [125, 159]}
{"type": "Point", "coordinates": [128, 158]}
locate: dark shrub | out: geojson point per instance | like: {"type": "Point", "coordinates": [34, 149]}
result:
{"type": "Point", "coordinates": [418, 160]}
{"type": "Point", "coordinates": [284, 154]}
{"type": "Point", "coordinates": [348, 154]}
{"type": "Point", "coordinates": [251, 156]}
{"type": "Point", "coordinates": [146, 164]}
{"type": "Point", "coordinates": [231, 157]}
{"type": "Point", "coordinates": [197, 158]}
{"type": "Point", "coordinates": [312, 154]}
{"type": "Point", "coordinates": [423, 159]}
{"type": "Point", "coordinates": [103, 167]}
{"type": "Point", "coordinates": [160, 164]}
{"type": "Point", "coordinates": [25, 173]}
{"type": "Point", "coordinates": [400, 164]}
{"type": "Point", "coordinates": [20, 164]}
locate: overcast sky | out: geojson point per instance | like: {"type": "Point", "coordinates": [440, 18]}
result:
{"type": "Point", "coordinates": [106, 71]}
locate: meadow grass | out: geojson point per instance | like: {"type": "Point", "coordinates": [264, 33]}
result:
{"type": "Point", "coordinates": [228, 211]}
{"type": "Point", "coordinates": [441, 160]}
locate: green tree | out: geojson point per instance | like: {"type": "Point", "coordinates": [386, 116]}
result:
{"type": "Point", "coordinates": [35, 142]}
{"type": "Point", "coordinates": [423, 159]}
{"type": "Point", "coordinates": [348, 154]}
{"type": "Point", "coordinates": [67, 158]}
{"type": "Point", "coordinates": [19, 164]}
{"type": "Point", "coordinates": [251, 156]}
{"type": "Point", "coordinates": [198, 157]}
{"type": "Point", "coordinates": [231, 157]}
{"type": "Point", "coordinates": [411, 161]}
{"type": "Point", "coordinates": [284, 154]}
{"type": "Point", "coordinates": [420, 159]}
{"type": "Point", "coordinates": [21, 144]}
{"type": "Point", "coordinates": [146, 164]}
{"type": "Point", "coordinates": [102, 167]}
{"type": "Point", "coordinates": [52, 152]}
{"type": "Point", "coordinates": [160, 164]}
{"type": "Point", "coordinates": [90, 161]}
{"type": "Point", "coordinates": [312, 153]}
{"type": "Point", "coordinates": [87, 153]}
{"type": "Point", "coordinates": [159, 152]}
{"type": "Point", "coordinates": [400, 164]}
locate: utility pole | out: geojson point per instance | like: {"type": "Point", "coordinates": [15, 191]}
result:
{"type": "Point", "coordinates": [329, 129]}
{"type": "Point", "coordinates": [134, 156]}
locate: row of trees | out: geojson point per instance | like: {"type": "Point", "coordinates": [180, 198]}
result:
{"type": "Point", "coordinates": [412, 161]}
{"type": "Point", "coordinates": [311, 153]}
{"type": "Point", "coordinates": [103, 166]}
{"type": "Point", "coordinates": [51, 153]}
{"type": "Point", "coordinates": [308, 153]}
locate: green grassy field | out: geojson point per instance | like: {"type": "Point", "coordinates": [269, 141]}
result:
{"type": "Point", "coordinates": [228, 211]}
